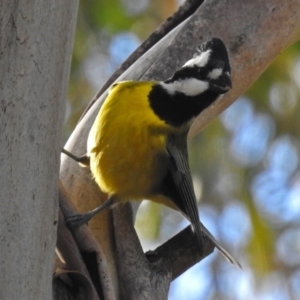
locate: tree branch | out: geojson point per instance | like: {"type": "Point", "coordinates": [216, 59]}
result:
{"type": "Point", "coordinates": [180, 252]}
{"type": "Point", "coordinates": [148, 276]}
{"type": "Point", "coordinates": [79, 251]}
{"type": "Point", "coordinates": [135, 272]}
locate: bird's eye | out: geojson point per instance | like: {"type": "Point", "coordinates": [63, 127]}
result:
{"type": "Point", "coordinates": [202, 73]}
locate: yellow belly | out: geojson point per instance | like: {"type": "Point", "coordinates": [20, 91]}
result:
{"type": "Point", "coordinates": [128, 152]}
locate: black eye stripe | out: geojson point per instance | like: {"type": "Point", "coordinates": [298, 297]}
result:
{"type": "Point", "coordinates": [201, 73]}
{"type": "Point", "coordinates": [195, 72]}
{"type": "Point", "coordinates": [203, 70]}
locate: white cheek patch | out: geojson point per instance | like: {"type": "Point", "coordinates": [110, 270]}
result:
{"type": "Point", "coordinates": [215, 73]}
{"type": "Point", "coordinates": [200, 60]}
{"type": "Point", "coordinates": [189, 86]}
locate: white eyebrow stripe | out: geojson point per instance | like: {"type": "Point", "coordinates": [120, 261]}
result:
{"type": "Point", "coordinates": [189, 86]}
{"type": "Point", "coordinates": [215, 73]}
{"type": "Point", "coordinates": [200, 60]}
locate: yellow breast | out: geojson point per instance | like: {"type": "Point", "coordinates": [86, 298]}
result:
{"type": "Point", "coordinates": [128, 152]}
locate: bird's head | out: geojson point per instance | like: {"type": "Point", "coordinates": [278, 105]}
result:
{"type": "Point", "coordinates": [209, 69]}
{"type": "Point", "coordinates": [194, 87]}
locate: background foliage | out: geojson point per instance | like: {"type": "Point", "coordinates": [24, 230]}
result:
{"type": "Point", "coordinates": [245, 164]}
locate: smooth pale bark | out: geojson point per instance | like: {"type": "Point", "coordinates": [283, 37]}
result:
{"type": "Point", "coordinates": [36, 40]}
{"type": "Point", "coordinates": [255, 32]}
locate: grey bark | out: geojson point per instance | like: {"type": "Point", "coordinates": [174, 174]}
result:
{"type": "Point", "coordinates": [36, 40]}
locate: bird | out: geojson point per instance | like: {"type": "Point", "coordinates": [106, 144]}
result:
{"type": "Point", "coordinates": [137, 146]}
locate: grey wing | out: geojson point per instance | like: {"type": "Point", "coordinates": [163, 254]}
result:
{"type": "Point", "coordinates": [185, 199]}
{"type": "Point", "coordinates": [183, 195]}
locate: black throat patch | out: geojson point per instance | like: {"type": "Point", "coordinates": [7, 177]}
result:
{"type": "Point", "coordinates": [178, 109]}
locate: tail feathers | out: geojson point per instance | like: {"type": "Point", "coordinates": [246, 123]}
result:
{"type": "Point", "coordinates": [225, 253]}
{"type": "Point", "coordinates": [198, 231]}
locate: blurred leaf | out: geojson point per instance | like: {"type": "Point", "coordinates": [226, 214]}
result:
{"type": "Point", "coordinates": [261, 247]}
{"type": "Point", "coordinates": [107, 14]}
{"type": "Point", "coordinates": [148, 220]}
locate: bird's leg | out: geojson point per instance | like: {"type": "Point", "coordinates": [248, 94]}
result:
{"type": "Point", "coordinates": [83, 160]}
{"type": "Point", "coordinates": [80, 219]}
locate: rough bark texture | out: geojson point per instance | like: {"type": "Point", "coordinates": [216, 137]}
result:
{"type": "Point", "coordinates": [35, 65]}
{"type": "Point", "coordinates": [255, 32]}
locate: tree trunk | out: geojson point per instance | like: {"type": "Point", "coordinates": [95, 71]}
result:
{"type": "Point", "coordinates": [36, 39]}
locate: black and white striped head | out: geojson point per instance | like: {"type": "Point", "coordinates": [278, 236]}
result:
{"type": "Point", "coordinates": [194, 87]}
{"type": "Point", "coordinates": [209, 69]}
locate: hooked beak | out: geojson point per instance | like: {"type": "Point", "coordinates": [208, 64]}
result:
{"type": "Point", "coordinates": [221, 85]}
